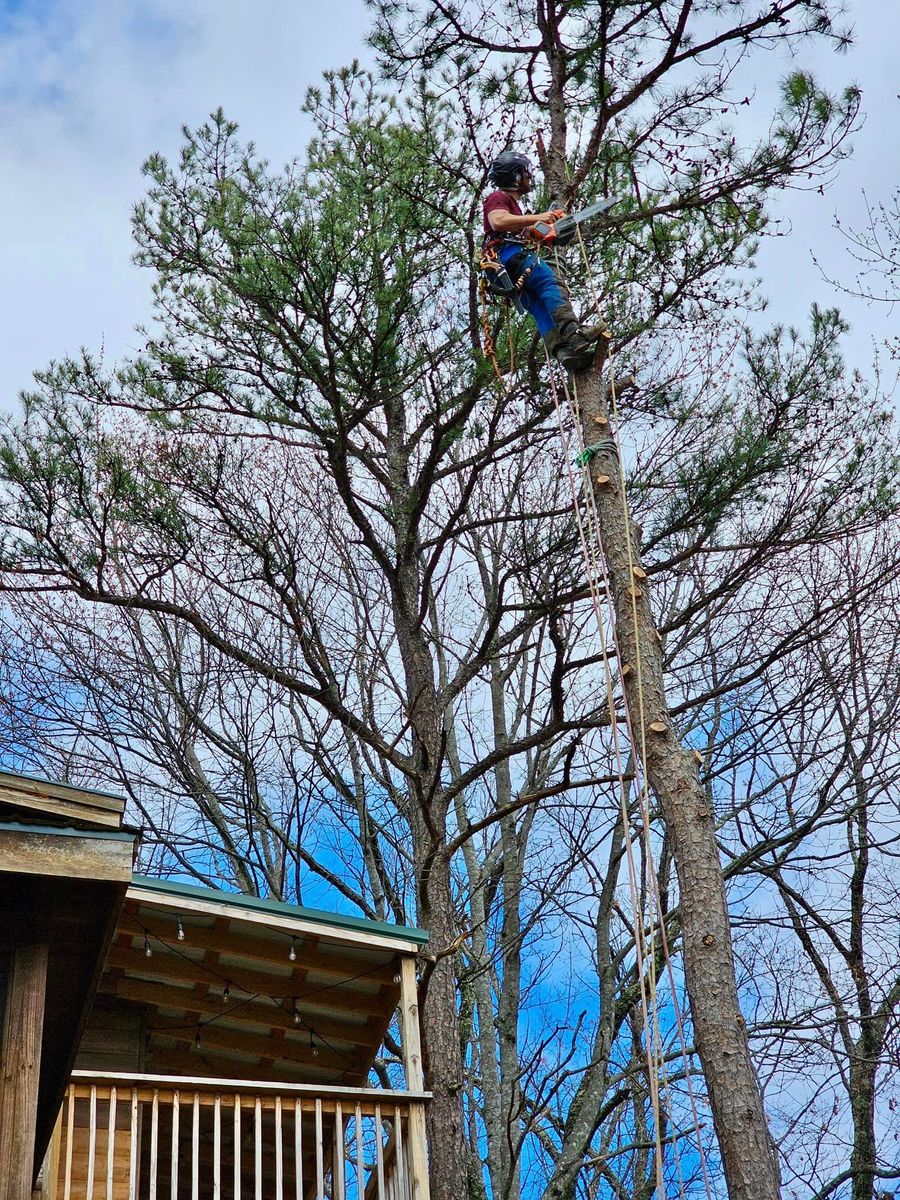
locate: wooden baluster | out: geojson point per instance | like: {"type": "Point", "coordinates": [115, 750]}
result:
{"type": "Point", "coordinates": [237, 1146]}
{"type": "Point", "coordinates": [258, 1158]}
{"type": "Point", "coordinates": [111, 1144]}
{"type": "Point", "coordinates": [51, 1190]}
{"type": "Point", "coordinates": [320, 1154]}
{"type": "Point", "coordinates": [154, 1143]}
{"type": "Point", "coordinates": [379, 1153]}
{"type": "Point", "coordinates": [402, 1190]}
{"type": "Point", "coordinates": [360, 1164]}
{"type": "Point", "coordinates": [92, 1145]}
{"type": "Point", "coordinates": [195, 1150]}
{"type": "Point", "coordinates": [337, 1169]}
{"type": "Point", "coordinates": [279, 1153]}
{"type": "Point", "coordinates": [70, 1137]}
{"type": "Point", "coordinates": [298, 1150]}
{"type": "Point", "coordinates": [217, 1147]}
{"type": "Point", "coordinates": [176, 1134]}
{"type": "Point", "coordinates": [133, 1148]}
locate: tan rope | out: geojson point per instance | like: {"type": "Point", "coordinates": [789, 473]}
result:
{"type": "Point", "coordinates": [595, 569]}
{"type": "Point", "coordinates": [643, 789]}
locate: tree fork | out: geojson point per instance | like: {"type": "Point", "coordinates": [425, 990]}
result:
{"type": "Point", "coordinates": [748, 1155]}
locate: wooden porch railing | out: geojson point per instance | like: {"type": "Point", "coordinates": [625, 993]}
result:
{"type": "Point", "coordinates": [153, 1137]}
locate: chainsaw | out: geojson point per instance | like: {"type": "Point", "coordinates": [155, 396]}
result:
{"type": "Point", "coordinates": [563, 231]}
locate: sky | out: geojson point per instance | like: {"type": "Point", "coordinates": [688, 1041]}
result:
{"type": "Point", "coordinates": [88, 88]}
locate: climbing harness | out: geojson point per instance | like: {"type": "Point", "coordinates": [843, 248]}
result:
{"type": "Point", "coordinates": [497, 279]}
{"type": "Point", "coordinates": [495, 282]}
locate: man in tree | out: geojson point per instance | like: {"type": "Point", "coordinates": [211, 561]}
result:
{"type": "Point", "coordinates": [541, 291]}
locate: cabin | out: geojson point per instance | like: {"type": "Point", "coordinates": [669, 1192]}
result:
{"type": "Point", "coordinates": [162, 1041]}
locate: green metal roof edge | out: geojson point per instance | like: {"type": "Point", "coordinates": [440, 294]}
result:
{"type": "Point", "coordinates": [114, 835]}
{"type": "Point", "coordinates": [406, 933]}
{"type": "Point", "coordinates": [63, 783]}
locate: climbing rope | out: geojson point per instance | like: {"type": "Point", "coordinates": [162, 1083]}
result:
{"type": "Point", "coordinates": [590, 541]}
{"type": "Point", "coordinates": [589, 544]}
{"type": "Point", "coordinates": [645, 814]}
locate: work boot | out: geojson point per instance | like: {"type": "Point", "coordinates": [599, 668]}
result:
{"type": "Point", "coordinates": [571, 355]}
{"type": "Point", "coordinates": [572, 329]}
{"type": "Point", "coordinates": [576, 356]}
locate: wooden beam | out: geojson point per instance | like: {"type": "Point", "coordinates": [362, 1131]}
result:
{"type": "Point", "coordinates": [260, 1014]}
{"type": "Point", "coordinates": [187, 971]}
{"type": "Point", "coordinates": [58, 800]}
{"type": "Point", "coordinates": [240, 942]}
{"type": "Point", "coordinates": [409, 1026]}
{"type": "Point", "coordinates": [296, 1051]}
{"type": "Point", "coordinates": [20, 1065]}
{"type": "Point", "coordinates": [299, 926]}
{"type": "Point", "coordinates": [171, 1059]}
{"type": "Point", "coordinates": [245, 1087]}
{"type": "Point", "coordinates": [72, 857]}
{"type": "Point", "coordinates": [47, 789]}
{"type": "Point", "coordinates": [415, 1079]}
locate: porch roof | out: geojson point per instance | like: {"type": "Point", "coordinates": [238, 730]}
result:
{"type": "Point", "coordinates": [237, 986]}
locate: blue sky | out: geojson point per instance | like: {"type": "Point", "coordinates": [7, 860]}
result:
{"type": "Point", "coordinates": [89, 87]}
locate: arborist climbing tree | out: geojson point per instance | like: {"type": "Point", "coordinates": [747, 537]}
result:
{"type": "Point", "coordinates": [510, 238]}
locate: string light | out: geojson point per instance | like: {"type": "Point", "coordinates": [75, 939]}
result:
{"type": "Point", "coordinates": [226, 993]}
{"type": "Point", "coordinates": [180, 930]}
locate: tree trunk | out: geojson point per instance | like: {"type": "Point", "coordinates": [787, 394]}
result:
{"type": "Point", "coordinates": [428, 816]}
{"type": "Point", "coordinates": [862, 1100]}
{"type": "Point", "coordinates": [748, 1155]}
{"type": "Point", "coordinates": [448, 1159]}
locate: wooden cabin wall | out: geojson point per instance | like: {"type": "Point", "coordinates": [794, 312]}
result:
{"type": "Point", "coordinates": [114, 1038]}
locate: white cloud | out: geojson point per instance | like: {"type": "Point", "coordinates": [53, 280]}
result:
{"type": "Point", "coordinates": [89, 87]}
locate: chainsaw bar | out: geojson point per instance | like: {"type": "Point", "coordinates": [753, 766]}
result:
{"type": "Point", "coordinates": [562, 232]}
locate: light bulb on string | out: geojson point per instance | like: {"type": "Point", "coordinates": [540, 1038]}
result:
{"type": "Point", "coordinates": [147, 951]}
{"type": "Point", "coordinates": [180, 930]}
{"type": "Point", "coordinates": [292, 953]}
{"type": "Point", "coordinates": [198, 1040]}
{"type": "Point", "coordinates": [297, 1017]}
{"type": "Point", "coordinates": [226, 993]}
{"type": "Point", "coordinates": [313, 1048]}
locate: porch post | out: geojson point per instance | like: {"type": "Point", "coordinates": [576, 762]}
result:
{"type": "Point", "coordinates": [415, 1079]}
{"type": "Point", "coordinates": [20, 1064]}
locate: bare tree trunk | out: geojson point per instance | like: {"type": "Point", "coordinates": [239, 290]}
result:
{"type": "Point", "coordinates": [428, 817]}
{"type": "Point", "coordinates": [748, 1156]}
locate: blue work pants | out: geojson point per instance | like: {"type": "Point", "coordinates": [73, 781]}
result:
{"type": "Point", "coordinates": [541, 292]}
